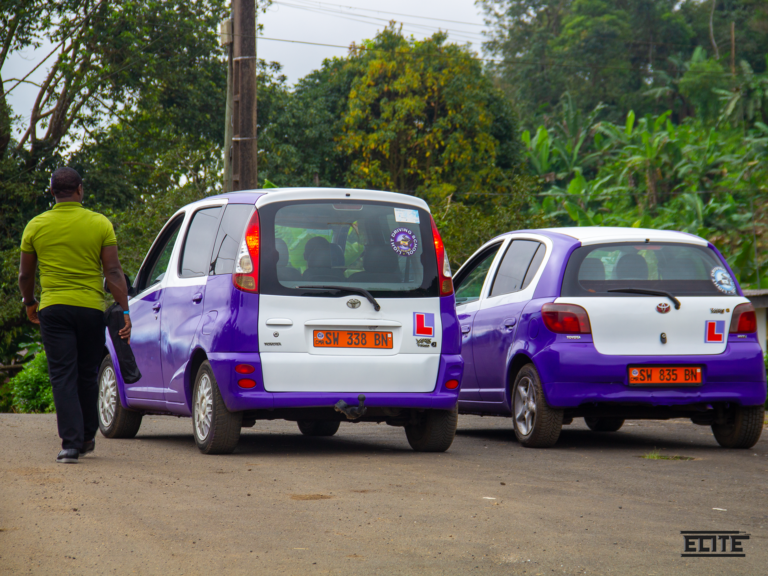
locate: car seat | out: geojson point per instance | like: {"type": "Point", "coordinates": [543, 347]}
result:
{"type": "Point", "coordinates": [319, 265]}
{"type": "Point", "coordinates": [380, 264]}
{"type": "Point", "coordinates": [632, 267]}
{"type": "Point", "coordinates": [592, 269]}
{"type": "Point", "coordinates": [284, 269]}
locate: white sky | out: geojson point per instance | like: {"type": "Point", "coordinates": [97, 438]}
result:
{"type": "Point", "coordinates": [338, 22]}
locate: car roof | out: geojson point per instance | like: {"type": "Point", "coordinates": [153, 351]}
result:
{"type": "Point", "coordinates": [276, 194]}
{"type": "Point", "coordinates": [601, 234]}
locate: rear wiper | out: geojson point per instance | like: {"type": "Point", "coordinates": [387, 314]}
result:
{"type": "Point", "coordinates": [361, 291]}
{"type": "Point", "coordinates": [650, 292]}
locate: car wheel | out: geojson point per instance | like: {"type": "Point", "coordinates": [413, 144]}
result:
{"type": "Point", "coordinates": [318, 427]}
{"type": "Point", "coordinates": [536, 424]}
{"type": "Point", "coordinates": [114, 420]}
{"type": "Point", "coordinates": [216, 429]}
{"type": "Point", "coordinates": [604, 424]}
{"type": "Point", "coordinates": [742, 429]}
{"type": "Point", "coordinates": [434, 432]}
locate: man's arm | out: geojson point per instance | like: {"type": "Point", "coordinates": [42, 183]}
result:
{"type": "Point", "coordinates": [113, 273]}
{"type": "Point", "coordinates": [27, 284]}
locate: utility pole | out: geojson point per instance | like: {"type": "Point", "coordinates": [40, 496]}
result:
{"type": "Point", "coordinates": [240, 171]}
{"type": "Point", "coordinates": [225, 34]}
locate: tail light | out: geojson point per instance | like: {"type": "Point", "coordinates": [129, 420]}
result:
{"type": "Point", "coordinates": [744, 320]}
{"type": "Point", "coordinates": [246, 276]}
{"type": "Point", "coordinates": [566, 319]}
{"type": "Point", "coordinates": [443, 266]}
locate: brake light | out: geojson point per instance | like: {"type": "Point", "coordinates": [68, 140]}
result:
{"type": "Point", "coordinates": [744, 320]}
{"type": "Point", "coordinates": [566, 319]}
{"type": "Point", "coordinates": [443, 266]}
{"type": "Point", "coordinates": [246, 276]}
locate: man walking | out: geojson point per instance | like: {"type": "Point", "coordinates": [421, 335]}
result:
{"type": "Point", "coordinates": [73, 245]}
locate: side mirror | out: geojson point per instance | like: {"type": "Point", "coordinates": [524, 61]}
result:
{"type": "Point", "coordinates": [131, 288]}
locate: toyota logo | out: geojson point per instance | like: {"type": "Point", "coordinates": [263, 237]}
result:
{"type": "Point", "coordinates": [353, 303]}
{"type": "Point", "coordinates": [662, 308]}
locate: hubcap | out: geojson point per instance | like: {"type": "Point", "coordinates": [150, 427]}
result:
{"type": "Point", "coordinates": [525, 406]}
{"type": "Point", "coordinates": [107, 396]}
{"type": "Point", "coordinates": [203, 407]}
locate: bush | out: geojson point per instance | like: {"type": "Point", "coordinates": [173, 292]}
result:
{"type": "Point", "coordinates": [31, 388]}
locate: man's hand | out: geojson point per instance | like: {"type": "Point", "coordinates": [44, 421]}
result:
{"type": "Point", "coordinates": [32, 314]}
{"type": "Point", "coordinates": [125, 332]}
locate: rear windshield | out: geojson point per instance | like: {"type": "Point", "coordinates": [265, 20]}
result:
{"type": "Point", "coordinates": [384, 248]}
{"type": "Point", "coordinates": [681, 269]}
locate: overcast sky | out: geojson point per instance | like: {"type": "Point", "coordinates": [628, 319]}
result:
{"type": "Point", "coordinates": [338, 23]}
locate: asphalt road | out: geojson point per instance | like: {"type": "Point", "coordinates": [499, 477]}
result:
{"type": "Point", "coordinates": [363, 503]}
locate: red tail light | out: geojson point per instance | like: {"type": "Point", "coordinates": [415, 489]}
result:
{"type": "Point", "coordinates": [566, 319]}
{"type": "Point", "coordinates": [246, 276]}
{"type": "Point", "coordinates": [744, 320]}
{"type": "Point", "coordinates": [443, 266]}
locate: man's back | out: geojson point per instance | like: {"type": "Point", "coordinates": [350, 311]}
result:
{"type": "Point", "coordinates": [68, 241]}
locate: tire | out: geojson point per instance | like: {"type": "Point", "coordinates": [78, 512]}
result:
{"type": "Point", "coordinates": [536, 424]}
{"type": "Point", "coordinates": [435, 431]}
{"type": "Point", "coordinates": [216, 429]}
{"type": "Point", "coordinates": [604, 424]}
{"type": "Point", "coordinates": [318, 427]}
{"type": "Point", "coordinates": [114, 420]}
{"type": "Point", "coordinates": [743, 428]}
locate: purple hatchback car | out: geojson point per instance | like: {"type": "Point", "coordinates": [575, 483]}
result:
{"type": "Point", "coordinates": [311, 305]}
{"type": "Point", "coordinates": [608, 324]}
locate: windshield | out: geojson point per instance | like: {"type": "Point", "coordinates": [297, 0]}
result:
{"type": "Point", "coordinates": [680, 269]}
{"type": "Point", "coordinates": [384, 248]}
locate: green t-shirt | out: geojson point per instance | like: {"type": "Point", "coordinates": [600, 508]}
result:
{"type": "Point", "coordinates": [68, 242]}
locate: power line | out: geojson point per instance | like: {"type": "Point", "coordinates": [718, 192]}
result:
{"type": "Point", "coordinates": [388, 12]}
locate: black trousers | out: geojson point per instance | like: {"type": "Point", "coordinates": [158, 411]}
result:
{"type": "Point", "coordinates": [73, 338]}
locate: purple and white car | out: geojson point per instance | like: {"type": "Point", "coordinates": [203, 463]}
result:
{"type": "Point", "coordinates": [311, 305]}
{"type": "Point", "coordinates": [608, 324]}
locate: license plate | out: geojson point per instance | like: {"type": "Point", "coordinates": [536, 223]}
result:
{"type": "Point", "coordinates": [350, 339]}
{"type": "Point", "coordinates": [664, 375]}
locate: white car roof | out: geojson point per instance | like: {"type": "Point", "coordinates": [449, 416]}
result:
{"type": "Point", "coordinates": [599, 234]}
{"type": "Point", "coordinates": [283, 194]}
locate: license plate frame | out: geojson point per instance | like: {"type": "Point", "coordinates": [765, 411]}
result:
{"type": "Point", "coordinates": [353, 339]}
{"type": "Point", "coordinates": [666, 375]}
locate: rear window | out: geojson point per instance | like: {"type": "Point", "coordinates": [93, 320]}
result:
{"type": "Point", "coordinates": [681, 269]}
{"type": "Point", "coordinates": [384, 248]}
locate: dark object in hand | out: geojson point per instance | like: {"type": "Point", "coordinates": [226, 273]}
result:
{"type": "Point", "coordinates": [115, 321]}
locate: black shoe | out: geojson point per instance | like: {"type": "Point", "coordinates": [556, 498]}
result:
{"type": "Point", "coordinates": [88, 446]}
{"type": "Point", "coordinates": [68, 456]}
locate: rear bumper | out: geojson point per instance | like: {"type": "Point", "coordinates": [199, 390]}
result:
{"type": "Point", "coordinates": [576, 374]}
{"type": "Point", "coordinates": [239, 399]}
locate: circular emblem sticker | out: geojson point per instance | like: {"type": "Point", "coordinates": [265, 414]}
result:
{"type": "Point", "coordinates": [635, 372]}
{"type": "Point", "coordinates": [403, 241]}
{"type": "Point", "coordinates": [320, 336]}
{"type": "Point", "coordinates": [722, 280]}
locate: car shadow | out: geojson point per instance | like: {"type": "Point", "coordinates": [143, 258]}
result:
{"type": "Point", "coordinates": [280, 444]}
{"type": "Point", "coordinates": [573, 438]}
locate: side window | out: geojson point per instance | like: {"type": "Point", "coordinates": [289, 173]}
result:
{"type": "Point", "coordinates": [471, 282]}
{"type": "Point", "coordinates": [160, 257]}
{"type": "Point", "coordinates": [538, 258]}
{"type": "Point", "coordinates": [196, 256]}
{"type": "Point", "coordinates": [513, 268]}
{"type": "Point", "coordinates": [229, 237]}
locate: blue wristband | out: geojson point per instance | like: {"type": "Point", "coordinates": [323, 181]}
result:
{"type": "Point", "coordinates": [126, 312]}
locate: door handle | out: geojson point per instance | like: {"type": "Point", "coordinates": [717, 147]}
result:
{"type": "Point", "coordinates": [465, 329]}
{"type": "Point", "coordinates": [197, 298]}
{"type": "Point", "coordinates": [156, 307]}
{"type": "Point", "coordinates": [510, 322]}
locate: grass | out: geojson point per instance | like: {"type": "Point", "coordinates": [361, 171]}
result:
{"type": "Point", "coordinates": [656, 455]}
